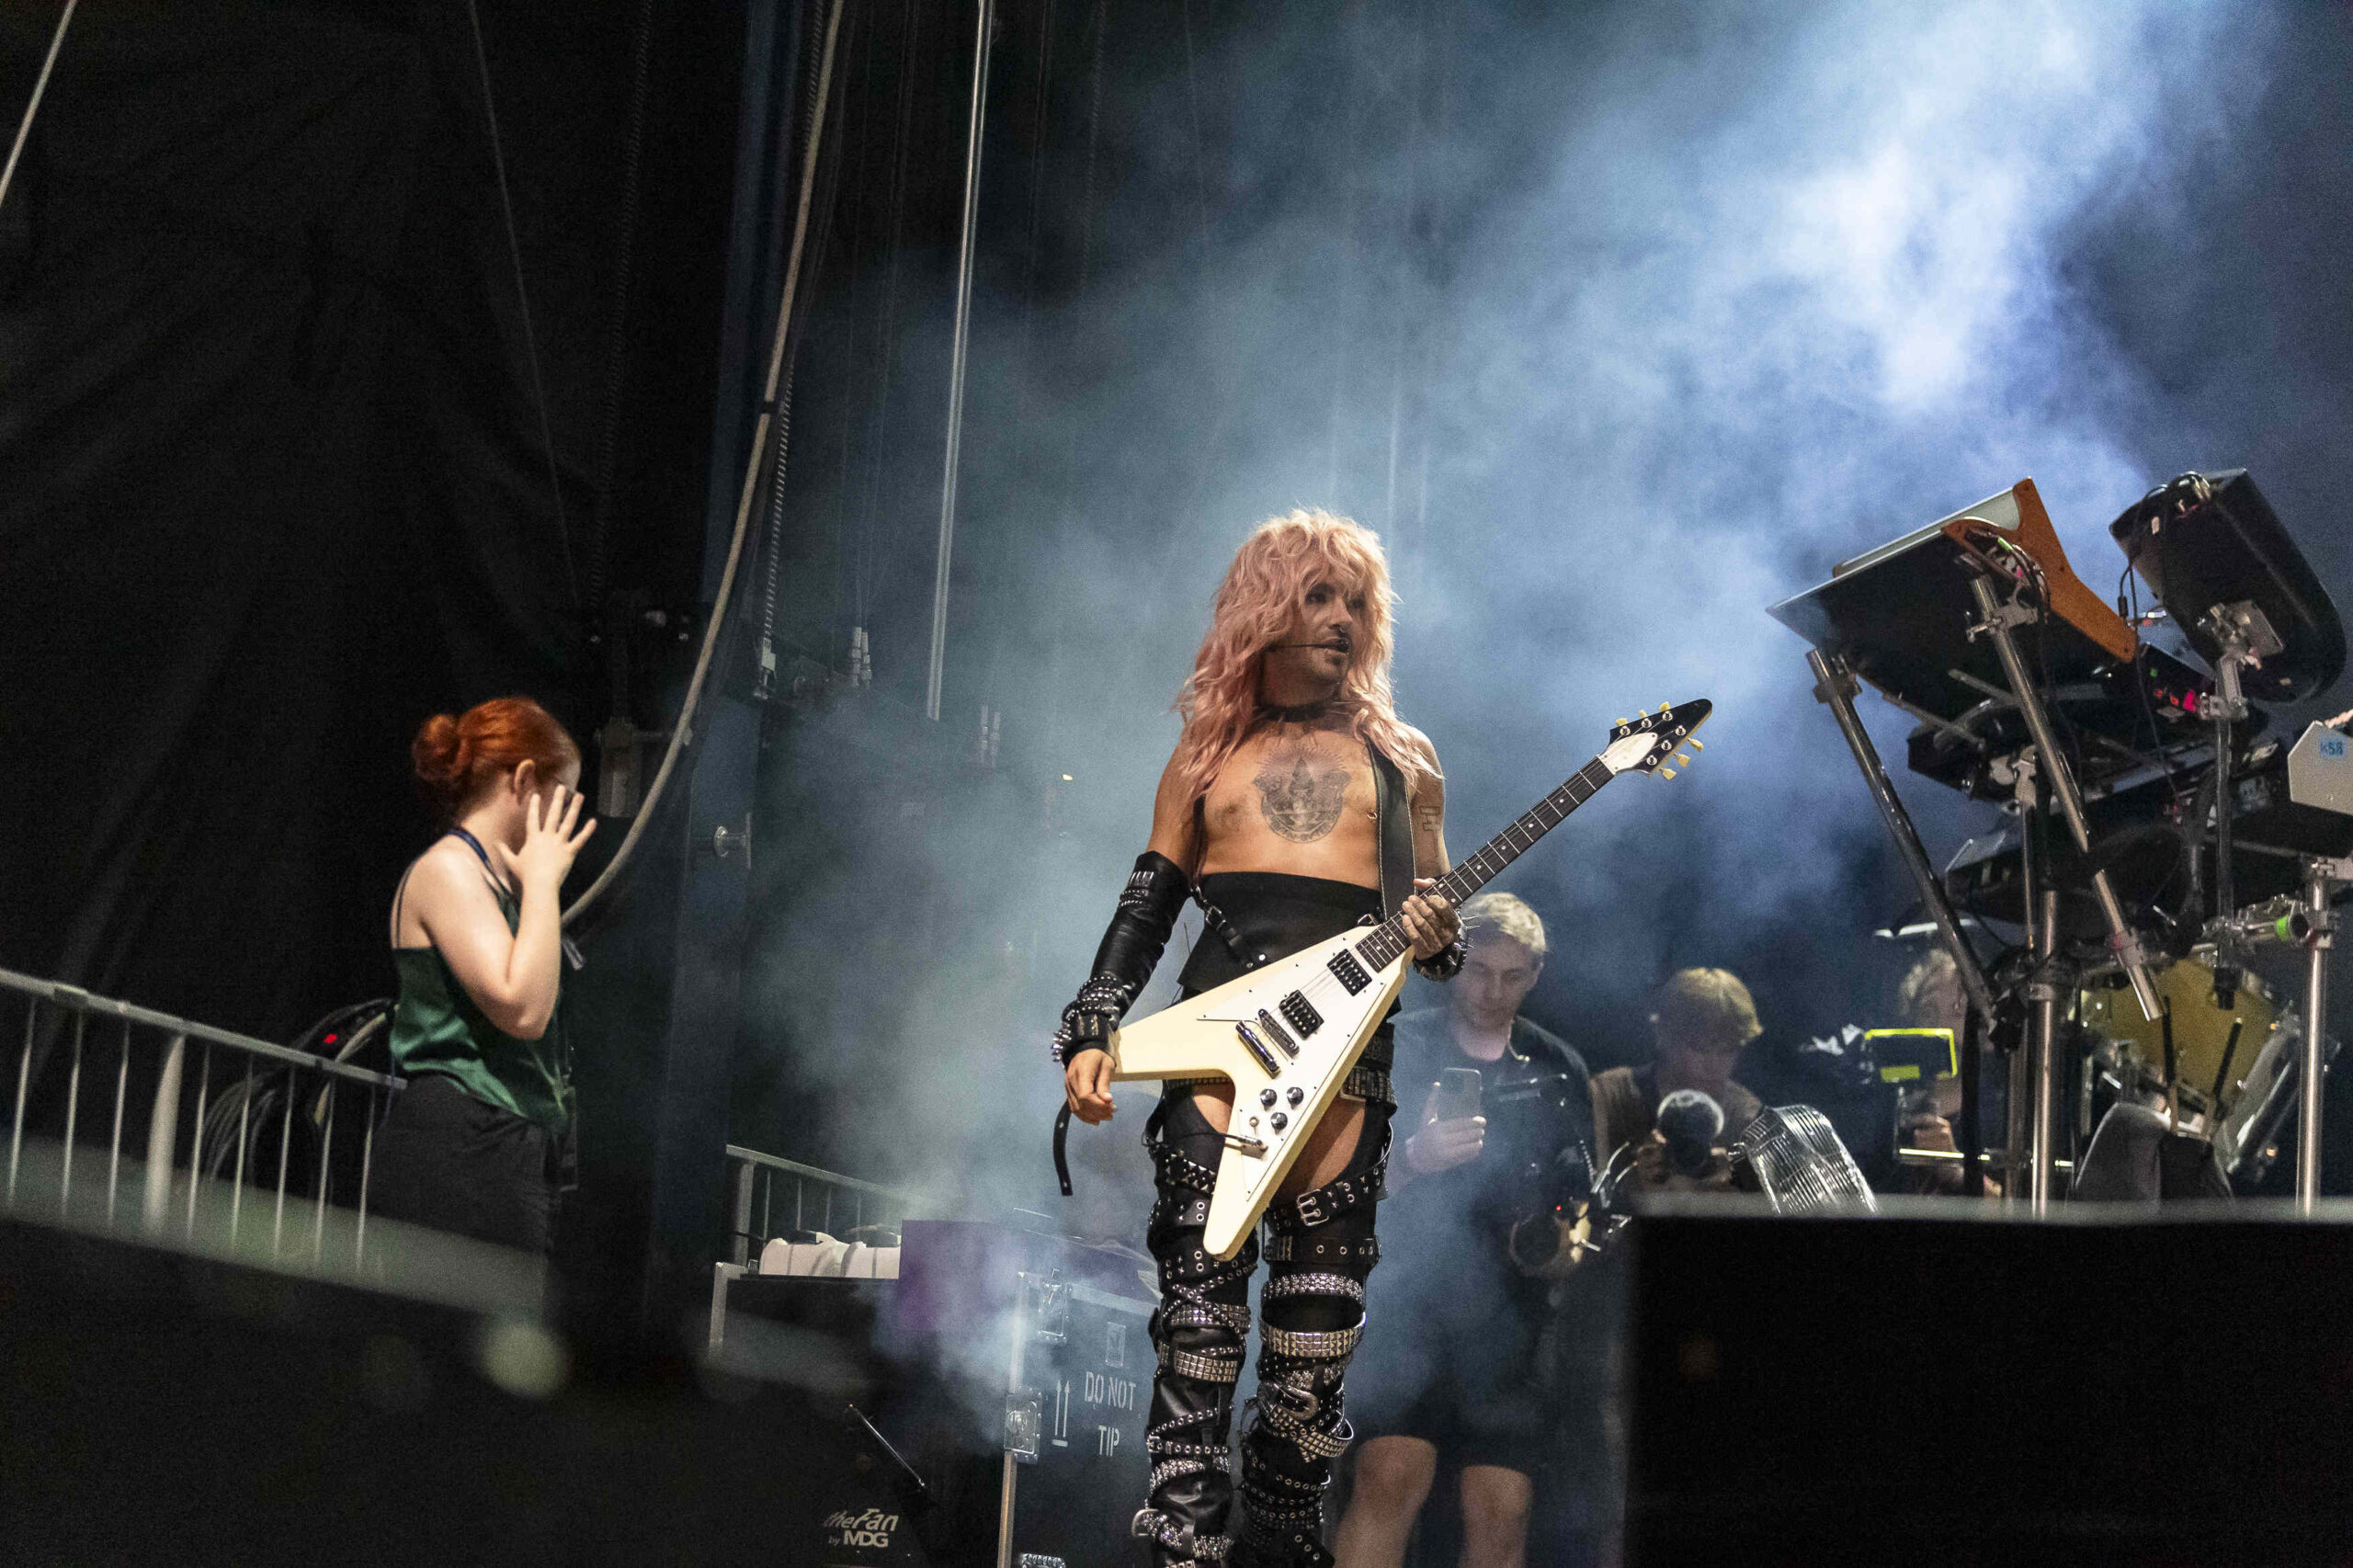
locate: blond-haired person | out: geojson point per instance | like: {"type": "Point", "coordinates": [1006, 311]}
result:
{"type": "Point", "coordinates": [1701, 1020]}
{"type": "Point", "coordinates": [1450, 1378]}
{"type": "Point", "coordinates": [1930, 998]}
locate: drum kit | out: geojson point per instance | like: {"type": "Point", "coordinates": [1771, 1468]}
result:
{"type": "Point", "coordinates": [2158, 838]}
{"type": "Point", "coordinates": [2226, 1077]}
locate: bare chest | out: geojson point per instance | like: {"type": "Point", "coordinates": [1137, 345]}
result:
{"type": "Point", "coordinates": [1294, 801]}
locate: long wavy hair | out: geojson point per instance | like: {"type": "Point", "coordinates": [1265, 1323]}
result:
{"type": "Point", "coordinates": [1257, 607]}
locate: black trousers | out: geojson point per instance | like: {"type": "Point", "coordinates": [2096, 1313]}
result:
{"type": "Point", "coordinates": [461, 1165]}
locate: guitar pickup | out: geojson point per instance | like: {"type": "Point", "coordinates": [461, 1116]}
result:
{"type": "Point", "coordinates": [1301, 1014]}
{"type": "Point", "coordinates": [1350, 973]}
{"type": "Point", "coordinates": [1257, 1048]}
{"type": "Point", "coordinates": [1278, 1034]}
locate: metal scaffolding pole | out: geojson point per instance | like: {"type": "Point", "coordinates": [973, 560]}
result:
{"type": "Point", "coordinates": [986, 19]}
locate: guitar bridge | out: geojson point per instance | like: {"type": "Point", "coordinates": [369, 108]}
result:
{"type": "Point", "coordinates": [1278, 1034]}
{"type": "Point", "coordinates": [1257, 1048]}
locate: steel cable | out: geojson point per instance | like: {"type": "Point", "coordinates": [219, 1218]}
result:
{"type": "Point", "coordinates": [683, 728]}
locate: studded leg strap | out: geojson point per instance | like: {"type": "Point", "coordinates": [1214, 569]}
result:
{"type": "Point", "coordinates": [1312, 1316]}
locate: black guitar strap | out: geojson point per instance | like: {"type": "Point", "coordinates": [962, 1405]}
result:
{"type": "Point", "coordinates": [1393, 817]}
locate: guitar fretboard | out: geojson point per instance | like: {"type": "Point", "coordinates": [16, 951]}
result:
{"type": "Point", "coordinates": [1388, 940]}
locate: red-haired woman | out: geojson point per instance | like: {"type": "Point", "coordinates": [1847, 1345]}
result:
{"type": "Point", "coordinates": [479, 1140]}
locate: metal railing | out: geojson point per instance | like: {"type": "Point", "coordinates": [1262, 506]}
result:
{"type": "Point", "coordinates": [813, 1200]}
{"type": "Point", "coordinates": [238, 1078]}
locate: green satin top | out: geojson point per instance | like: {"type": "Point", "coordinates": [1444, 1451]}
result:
{"type": "Point", "coordinates": [436, 1027]}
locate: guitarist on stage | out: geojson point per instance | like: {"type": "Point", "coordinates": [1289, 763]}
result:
{"type": "Point", "coordinates": [1297, 805]}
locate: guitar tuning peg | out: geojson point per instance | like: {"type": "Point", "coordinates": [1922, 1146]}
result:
{"type": "Point", "coordinates": [1683, 759]}
{"type": "Point", "coordinates": [1625, 720]}
{"type": "Point", "coordinates": [1695, 745]}
{"type": "Point", "coordinates": [1667, 773]}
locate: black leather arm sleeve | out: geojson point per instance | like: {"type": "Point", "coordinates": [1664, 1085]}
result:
{"type": "Point", "coordinates": [1131, 947]}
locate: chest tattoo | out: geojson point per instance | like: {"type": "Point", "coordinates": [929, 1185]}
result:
{"type": "Point", "coordinates": [1300, 792]}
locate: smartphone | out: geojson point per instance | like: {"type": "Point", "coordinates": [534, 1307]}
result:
{"type": "Point", "coordinates": [1455, 1095]}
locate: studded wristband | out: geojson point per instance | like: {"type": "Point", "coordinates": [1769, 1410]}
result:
{"type": "Point", "coordinates": [1447, 962]}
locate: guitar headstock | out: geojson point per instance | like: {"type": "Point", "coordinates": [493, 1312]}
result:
{"type": "Point", "coordinates": [1646, 744]}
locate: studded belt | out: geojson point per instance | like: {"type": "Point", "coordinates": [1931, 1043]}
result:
{"type": "Point", "coordinates": [1201, 1368]}
{"type": "Point", "coordinates": [1284, 1287]}
{"type": "Point", "coordinates": [1180, 1169]}
{"type": "Point", "coordinates": [1314, 1343]}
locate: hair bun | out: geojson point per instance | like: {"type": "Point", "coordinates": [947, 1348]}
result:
{"type": "Point", "coordinates": [455, 758]}
{"type": "Point", "coordinates": [438, 754]}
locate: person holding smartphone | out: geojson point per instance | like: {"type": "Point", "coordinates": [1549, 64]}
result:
{"type": "Point", "coordinates": [1451, 1386]}
{"type": "Point", "coordinates": [480, 1140]}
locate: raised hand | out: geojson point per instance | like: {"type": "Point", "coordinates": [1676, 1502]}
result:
{"type": "Point", "coordinates": [1442, 1145]}
{"type": "Point", "coordinates": [551, 840]}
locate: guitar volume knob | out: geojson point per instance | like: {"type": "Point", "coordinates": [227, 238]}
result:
{"type": "Point", "coordinates": [1279, 1122]}
{"type": "Point", "coordinates": [1296, 1094]}
{"type": "Point", "coordinates": [1267, 1098]}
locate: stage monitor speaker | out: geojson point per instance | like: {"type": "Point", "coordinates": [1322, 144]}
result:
{"type": "Point", "coordinates": [2138, 1394]}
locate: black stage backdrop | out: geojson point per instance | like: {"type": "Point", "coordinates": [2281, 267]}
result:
{"type": "Point", "coordinates": [273, 485]}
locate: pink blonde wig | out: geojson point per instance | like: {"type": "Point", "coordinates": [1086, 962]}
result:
{"type": "Point", "coordinates": [1255, 608]}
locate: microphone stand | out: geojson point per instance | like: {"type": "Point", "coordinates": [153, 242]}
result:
{"type": "Point", "coordinates": [2034, 869]}
{"type": "Point", "coordinates": [2321, 877]}
{"type": "Point", "coordinates": [2244, 638]}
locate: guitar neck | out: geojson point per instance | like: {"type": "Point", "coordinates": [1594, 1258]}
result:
{"type": "Point", "coordinates": [1484, 864]}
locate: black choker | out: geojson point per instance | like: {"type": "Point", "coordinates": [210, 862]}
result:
{"type": "Point", "coordinates": [1304, 713]}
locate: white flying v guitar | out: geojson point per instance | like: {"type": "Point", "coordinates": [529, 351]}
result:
{"type": "Point", "coordinates": [1288, 1034]}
